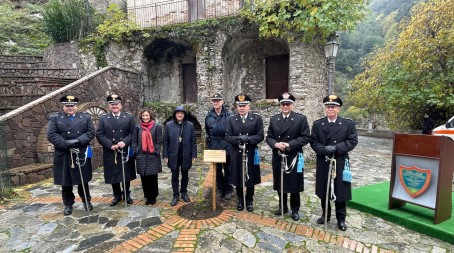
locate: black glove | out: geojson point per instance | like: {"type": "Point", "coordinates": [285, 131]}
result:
{"type": "Point", "coordinates": [243, 138]}
{"type": "Point", "coordinates": [329, 150]}
{"type": "Point", "coordinates": [74, 143]}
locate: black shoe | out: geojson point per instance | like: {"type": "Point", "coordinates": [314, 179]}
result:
{"type": "Point", "coordinates": [129, 200]}
{"type": "Point", "coordinates": [341, 225]}
{"type": "Point", "coordinates": [278, 212]}
{"type": "Point", "coordinates": [321, 220]}
{"type": "Point", "coordinates": [295, 216]}
{"type": "Point", "coordinates": [89, 205]}
{"type": "Point", "coordinates": [227, 196]}
{"type": "Point", "coordinates": [249, 207]}
{"type": "Point", "coordinates": [150, 202]}
{"type": "Point", "coordinates": [174, 201]}
{"type": "Point", "coordinates": [115, 201]}
{"type": "Point", "coordinates": [240, 206]}
{"type": "Point", "coordinates": [68, 210]}
{"type": "Point", "coordinates": [185, 197]}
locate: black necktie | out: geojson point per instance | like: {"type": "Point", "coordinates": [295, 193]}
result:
{"type": "Point", "coordinates": [331, 124]}
{"type": "Point", "coordinates": [285, 119]}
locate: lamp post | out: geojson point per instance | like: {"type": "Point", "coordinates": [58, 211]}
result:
{"type": "Point", "coordinates": [330, 53]}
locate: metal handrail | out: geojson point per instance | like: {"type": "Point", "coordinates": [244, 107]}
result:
{"type": "Point", "coordinates": [183, 11]}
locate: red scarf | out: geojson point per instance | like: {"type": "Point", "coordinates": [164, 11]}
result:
{"type": "Point", "coordinates": [147, 141]}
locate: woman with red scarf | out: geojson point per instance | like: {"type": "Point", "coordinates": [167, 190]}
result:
{"type": "Point", "coordinates": [146, 143]}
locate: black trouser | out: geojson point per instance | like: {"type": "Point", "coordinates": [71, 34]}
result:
{"type": "Point", "coordinates": [341, 210]}
{"type": "Point", "coordinates": [224, 180]}
{"type": "Point", "coordinates": [150, 186]}
{"type": "Point", "coordinates": [68, 195]}
{"type": "Point", "coordinates": [295, 201]}
{"type": "Point", "coordinates": [249, 194]}
{"type": "Point", "coordinates": [184, 181]}
{"type": "Point", "coordinates": [117, 189]}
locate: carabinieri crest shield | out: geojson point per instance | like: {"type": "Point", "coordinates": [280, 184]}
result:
{"type": "Point", "coordinates": [414, 180]}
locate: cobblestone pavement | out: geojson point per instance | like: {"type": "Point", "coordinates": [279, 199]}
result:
{"type": "Point", "coordinates": [35, 223]}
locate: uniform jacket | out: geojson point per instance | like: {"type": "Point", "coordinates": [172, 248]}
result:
{"type": "Point", "coordinates": [60, 129]}
{"type": "Point", "coordinates": [296, 133]}
{"type": "Point", "coordinates": [171, 142]}
{"type": "Point", "coordinates": [146, 163]}
{"type": "Point", "coordinates": [215, 126]}
{"type": "Point", "coordinates": [343, 135]}
{"type": "Point", "coordinates": [253, 127]}
{"type": "Point", "coordinates": [111, 131]}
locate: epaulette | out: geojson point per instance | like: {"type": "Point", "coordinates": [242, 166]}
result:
{"type": "Point", "coordinates": [128, 113]}
{"type": "Point", "coordinates": [55, 113]}
{"type": "Point", "coordinates": [256, 113]}
{"type": "Point", "coordinates": [348, 119]}
{"type": "Point", "coordinates": [319, 119]}
{"type": "Point", "coordinates": [276, 115]}
{"type": "Point", "coordinates": [232, 115]}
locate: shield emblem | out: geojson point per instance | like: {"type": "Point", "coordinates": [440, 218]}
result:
{"type": "Point", "coordinates": [414, 180]}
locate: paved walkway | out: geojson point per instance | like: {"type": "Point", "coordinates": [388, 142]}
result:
{"type": "Point", "coordinates": [35, 222]}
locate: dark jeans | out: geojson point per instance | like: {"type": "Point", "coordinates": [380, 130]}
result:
{"type": "Point", "coordinates": [224, 180]}
{"type": "Point", "coordinates": [150, 186]}
{"type": "Point", "coordinates": [249, 194]}
{"type": "Point", "coordinates": [68, 195]}
{"type": "Point", "coordinates": [117, 189]}
{"type": "Point", "coordinates": [295, 201]}
{"type": "Point", "coordinates": [341, 210]}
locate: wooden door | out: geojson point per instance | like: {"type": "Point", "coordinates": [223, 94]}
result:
{"type": "Point", "coordinates": [189, 83]}
{"type": "Point", "coordinates": [277, 72]}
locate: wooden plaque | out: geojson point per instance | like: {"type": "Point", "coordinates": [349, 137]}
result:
{"type": "Point", "coordinates": [214, 156]}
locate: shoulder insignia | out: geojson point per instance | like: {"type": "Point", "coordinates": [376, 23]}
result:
{"type": "Point", "coordinates": [55, 113]}
{"type": "Point", "coordinates": [319, 119]}
{"type": "Point", "coordinates": [231, 115]}
{"type": "Point", "coordinates": [256, 113]}
{"type": "Point", "coordinates": [348, 119]}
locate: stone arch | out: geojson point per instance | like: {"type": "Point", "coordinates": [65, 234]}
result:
{"type": "Point", "coordinates": [168, 65]}
{"type": "Point", "coordinates": [193, 119]}
{"type": "Point", "coordinates": [245, 65]}
{"type": "Point", "coordinates": [45, 149]}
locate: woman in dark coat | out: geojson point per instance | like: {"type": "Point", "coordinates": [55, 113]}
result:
{"type": "Point", "coordinates": [146, 144]}
{"type": "Point", "coordinates": [179, 152]}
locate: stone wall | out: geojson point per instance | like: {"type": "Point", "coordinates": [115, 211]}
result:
{"type": "Point", "coordinates": [228, 60]}
{"type": "Point", "coordinates": [24, 128]}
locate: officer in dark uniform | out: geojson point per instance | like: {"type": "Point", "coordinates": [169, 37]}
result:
{"type": "Point", "coordinates": [288, 133]}
{"type": "Point", "coordinates": [115, 135]}
{"type": "Point", "coordinates": [333, 136]}
{"type": "Point", "coordinates": [215, 125]}
{"type": "Point", "coordinates": [244, 128]}
{"type": "Point", "coordinates": [70, 132]}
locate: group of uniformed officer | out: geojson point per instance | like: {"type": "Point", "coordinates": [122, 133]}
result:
{"type": "Point", "coordinates": [332, 137]}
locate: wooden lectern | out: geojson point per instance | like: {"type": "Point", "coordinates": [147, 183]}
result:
{"type": "Point", "coordinates": [421, 174]}
{"type": "Point", "coordinates": [214, 157]}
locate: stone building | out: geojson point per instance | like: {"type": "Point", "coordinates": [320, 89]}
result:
{"type": "Point", "coordinates": [166, 66]}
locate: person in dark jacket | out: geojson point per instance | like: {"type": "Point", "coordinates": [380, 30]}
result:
{"type": "Point", "coordinates": [215, 124]}
{"type": "Point", "coordinates": [333, 137]}
{"type": "Point", "coordinates": [427, 124]}
{"type": "Point", "coordinates": [288, 133]}
{"type": "Point", "coordinates": [179, 152]}
{"type": "Point", "coordinates": [70, 132]}
{"type": "Point", "coordinates": [146, 144]}
{"type": "Point", "coordinates": [114, 133]}
{"type": "Point", "coordinates": [244, 128]}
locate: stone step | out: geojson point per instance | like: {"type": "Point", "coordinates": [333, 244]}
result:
{"type": "Point", "coordinates": [23, 65]}
{"type": "Point", "coordinates": [8, 83]}
{"type": "Point", "coordinates": [31, 73]}
{"type": "Point", "coordinates": [13, 100]}
{"type": "Point", "coordinates": [20, 58]}
{"type": "Point", "coordinates": [28, 174]}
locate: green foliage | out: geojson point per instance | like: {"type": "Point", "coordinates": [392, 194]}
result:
{"type": "Point", "coordinates": [413, 74]}
{"type": "Point", "coordinates": [356, 114]}
{"type": "Point", "coordinates": [116, 26]}
{"type": "Point", "coordinates": [67, 20]}
{"type": "Point", "coordinates": [21, 30]}
{"type": "Point", "coordinates": [313, 18]}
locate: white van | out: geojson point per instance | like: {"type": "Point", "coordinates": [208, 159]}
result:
{"type": "Point", "coordinates": [446, 129]}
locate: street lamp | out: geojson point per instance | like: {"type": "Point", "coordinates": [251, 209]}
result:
{"type": "Point", "coordinates": [330, 53]}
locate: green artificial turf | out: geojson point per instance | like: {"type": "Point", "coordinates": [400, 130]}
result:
{"type": "Point", "coordinates": [373, 199]}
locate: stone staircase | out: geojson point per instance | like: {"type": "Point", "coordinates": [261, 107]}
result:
{"type": "Point", "coordinates": [26, 78]}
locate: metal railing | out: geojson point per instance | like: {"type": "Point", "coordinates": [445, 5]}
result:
{"type": "Point", "coordinates": [185, 11]}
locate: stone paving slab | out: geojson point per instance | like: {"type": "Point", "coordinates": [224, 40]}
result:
{"type": "Point", "coordinates": [35, 223]}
